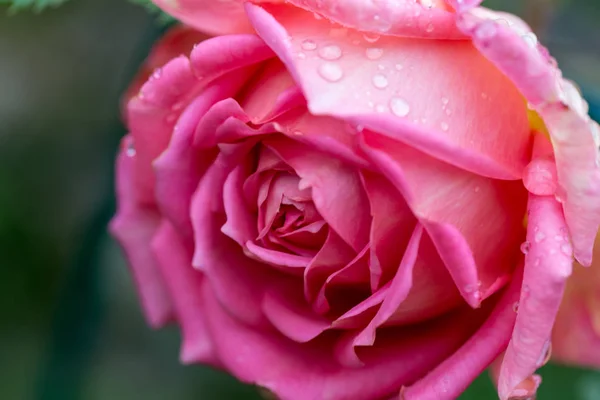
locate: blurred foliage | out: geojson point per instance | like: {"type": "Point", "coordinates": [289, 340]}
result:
{"type": "Point", "coordinates": [70, 324]}
{"type": "Point", "coordinates": [36, 5]}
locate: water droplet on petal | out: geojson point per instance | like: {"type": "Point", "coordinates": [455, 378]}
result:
{"type": "Point", "coordinates": [371, 37]}
{"type": "Point", "coordinates": [309, 44]}
{"type": "Point", "coordinates": [317, 16]}
{"type": "Point", "coordinates": [399, 107]}
{"type": "Point", "coordinates": [381, 67]}
{"type": "Point", "coordinates": [331, 52]}
{"type": "Point", "coordinates": [444, 126]}
{"type": "Point", "coordinates": [525, 246]}
{"type": "Point", "coordinates": [445, 101]}
{"type": "Point", "coordinates": [539, 236]}
{"type": "Point", "coordinates": [380, 108]}
{"type": "Point", "coordinates": [429, 28]}
{"type": "Point", "coordinates": [566, 249]}
{"type": "Point", "coordinates": [515, 306]}
{"type": "Point", "coordinates": [399, 67]}
{"type": "Point", "coordinates": [380, 81]}
{"type": "Point", "coordinates": [530, 38]}
{"type": "Point", "coordinates": [486, 30]}
{"type": "Point", "coordinates": [157, 73]}
{"type": "Point", "coordinates": [130, 151]}
{"type": "Point", "coordinates": [301, 56]}
{"type": "Point", "coordinates": [331, 72]}
{"type": "Point", "coordinates": [374, 53]}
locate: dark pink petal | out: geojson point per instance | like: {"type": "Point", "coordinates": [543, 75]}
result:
{"type": "Point", "coordinates": [308, 371]}
{"type": "Point", "coordinates": [575, 137]}
{"type": "Point", "coordinates": [336, 189]}
{"type": "Point", "coordinates": [476, 120]}
{"type": "Point", "coordinates": [185, 287]}
{"type": "Point", "coordinates": [426, 19]}
{"type": "Point", "coordinates": [475, 222]}
{"type": "Point", "coordinates": [548, 264]}
{"type": "Point", "coordinates": [134, 226]}
{"type": "Point", "coordinates": [289, 263]}
{"type": "Point", "coordinates": [152, 115]}
{"type": "Point", "coordinates": [215, 17]}
{"type": "Point", "coordinates": [237, 281]}
{"type": "Point", "coordinates": [450, 378]}
{"type": "Point", "coordinates": [179, 168]}
{"type": "Point", "coordinates": [287, 309]}
{"type": "Point", "coordinates": [241, 221]}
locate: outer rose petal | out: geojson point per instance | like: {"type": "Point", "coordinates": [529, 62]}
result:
{"type": "Point", "coordinates": [215, 17]}
{"type": "Point", "coordinates": [576, 336]}
{"type": "Point", "coordinates": [574, 136]}
{"type": "Point", "coordinates": [185, 287]}
{"type": "Point", "coordinates": [389, 17]}
{"type": "Point", "coordinates": [308, 371]}
{"type": "Point", "coordinates": [476, 121]}
{"type": "Point", "coordinates": [134, 226]}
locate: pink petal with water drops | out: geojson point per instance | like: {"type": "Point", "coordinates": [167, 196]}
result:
{"type": "Point", "coordinates": [133, 226]}
{"type": "Point", "coordinates": [575, 137]}
{"type": "Point", "coordinates": [474, 222]}
{"type": "Point", "coordinates": [215, 17]}
{"type": "Point", "coordinates": [423, 18]}
{"type": "Point", "coordinates": [548, 264]}
{"type": "Point", "coordinates": [451, 377]}
{"type": "Point", "coordinates": [476, 121]}
{"type": "Point", "coordinates": [185, 287]}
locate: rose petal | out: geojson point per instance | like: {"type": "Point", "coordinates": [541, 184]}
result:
{"type": "Point", "coordinates": [185, 287]}
{"type": "Point", "coordinates": [308, 371]}
{"type": "Point", "coordinates": [459, 210]}
{"type": "Point", "coordinates": [215, 17]}
{"type": "Point", "coordinates": [133, 226]}
{"type": "Point", "coordinates": [548, 264]}
{"type": "Point", "coordinates": [392, 17]}
{"type": "Point", "coordinates": [575, 137]}
{"type": "Point", "coordinates": [450, 378]}
{"type": "Point", "coordinates": [489, 136]}
{"type": "Point", "coordinates": [336, 189]}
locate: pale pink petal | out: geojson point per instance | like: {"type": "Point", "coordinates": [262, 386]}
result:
{"type": "Point", "coordinates": [475, 222]}
{"type": "Point", "coordinates": [336, 189]}
{"type": "Point", "coordinates": [476, 121]}
{"type": "Point", "coordinates": [450, 378]}
{"type": "Point", "coordinates": [222, 54]}
{"type": "Point", "coordinates": [133, 226]}
{"type": "Point", "coordinates": [575, 137]}
{"type": "Point", "coordinates": [185, 287]}
{"type": "Point", "coordinates": [428, 19]}
{"type": "Point", "coordinates": [215, 17]}
{"type": "Point", "coordinates": [548, 264]}
{"type": "Point", "coordinates": [334, 254]}
{"type": "Point", "coordinates": [390, 228]}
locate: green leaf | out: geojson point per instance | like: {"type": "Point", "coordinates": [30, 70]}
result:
{"type": "Point", "coordinates": [36, 5]}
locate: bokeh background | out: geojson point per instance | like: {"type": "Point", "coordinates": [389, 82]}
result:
{"type": "Point", "coordinates": [70, 325]}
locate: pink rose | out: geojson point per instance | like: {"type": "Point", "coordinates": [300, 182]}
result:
{"type": "Point", "coordinates": [332, 199]}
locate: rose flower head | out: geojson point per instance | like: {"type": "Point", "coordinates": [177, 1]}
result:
{"type": "Point", "coordinates": [359, 199]}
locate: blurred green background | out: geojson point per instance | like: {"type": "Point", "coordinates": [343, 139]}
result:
{"type": "Point", "coordinates": [70, 325]}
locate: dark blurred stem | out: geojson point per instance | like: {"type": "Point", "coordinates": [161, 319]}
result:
{"type": "Point", "coordinates": [80, 308]}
